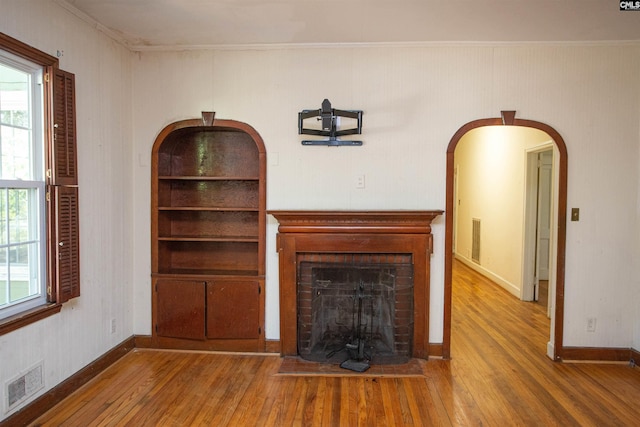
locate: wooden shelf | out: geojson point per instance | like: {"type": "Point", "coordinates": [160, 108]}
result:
{"type": "Point", "coordinates": [208, 178]}
{"type": "Point", "coordinates": [208, 236]}
{"type": "Point", "coordinates": [208, 208]}
{"type": "Point", "coordinates": [210, 239]}
{"type": "Point", "coordinates": [208, 274]}
{"type": "Point", "coordinates": [228, 194]}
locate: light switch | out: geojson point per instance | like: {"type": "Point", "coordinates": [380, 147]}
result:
{"type": "Point", "coordinates": [575, 214]}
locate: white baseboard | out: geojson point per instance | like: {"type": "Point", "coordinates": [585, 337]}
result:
{"type": "Point", "coordinates": [502, 282]}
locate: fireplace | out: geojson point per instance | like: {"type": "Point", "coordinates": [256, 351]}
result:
{"type": "Point", "coordinates": [357, 306]}
{"type": "Point", "coordinates": [354, 284]}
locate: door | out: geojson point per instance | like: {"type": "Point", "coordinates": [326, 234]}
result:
{"type": "Point", "coordinates": [180, 308]}
{"type": "Point", "coordinates": [538, 233]}
{"type": "Point", "coordinates": [233, 309]}
{"type": "Point", "coordinates": [545, 162]}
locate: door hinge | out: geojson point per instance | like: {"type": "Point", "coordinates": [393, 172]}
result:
{"type": "Point", "coordinates": [48, 196]}
{"type": "Point", "coordinates": [259, 330]}
{"type": "Point", "coordinates": [46, 77]}
{"type": "Point", "coordinates": [259, 289]}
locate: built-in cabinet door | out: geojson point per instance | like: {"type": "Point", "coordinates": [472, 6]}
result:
{"type": "Point", "coordinates": [180, 308]}
{"type": "Point", "coordinates": [233, 309]}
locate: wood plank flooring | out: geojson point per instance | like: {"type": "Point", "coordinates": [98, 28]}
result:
{"type": "Point", "coordinates": [543, 293]}
{"type": "Point", "coordinates": [499, 375]}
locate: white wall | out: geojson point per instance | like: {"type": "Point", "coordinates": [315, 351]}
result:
{"type": "Point", "coordinates": [414, 99]}
{"type": "Point", "coordinates": [81, 332]}
{"type": "Point", "coordinates": [491, 168]}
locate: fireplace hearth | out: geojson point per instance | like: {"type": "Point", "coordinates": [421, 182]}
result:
{"type": "Point", "coordinates": [354, 284]}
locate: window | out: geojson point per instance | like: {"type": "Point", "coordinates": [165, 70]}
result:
{"type": "Point", "coordinates": [39, 232]}
{"type": "Point", "coordinates": [22, 186]}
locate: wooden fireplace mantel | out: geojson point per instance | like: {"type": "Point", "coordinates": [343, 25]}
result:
{"type": "Point", "coordinates": [399, 221]}
{"type": "Point", "coordinates": [354, 232]}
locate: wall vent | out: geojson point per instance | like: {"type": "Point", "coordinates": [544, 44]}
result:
{"type": "Point", "coordinates": [21, 388]}
{"type": "Point", "coordinates": [475, 242]}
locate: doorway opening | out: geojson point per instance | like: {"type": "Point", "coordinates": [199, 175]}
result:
{"type": "Point", "coordinates": [530, 250]}
{"type": "Point", "coordinates": [538, 275]}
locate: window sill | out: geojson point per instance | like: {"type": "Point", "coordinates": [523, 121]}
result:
{"type": "Point", "coordinates": [18, 321]}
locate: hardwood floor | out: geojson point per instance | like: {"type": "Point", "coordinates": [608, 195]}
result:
{"type": "Point", "coordinates": [499, 375]}
{"type": "Point", "coordinates": [543, 293]}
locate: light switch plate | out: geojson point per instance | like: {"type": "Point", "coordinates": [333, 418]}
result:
{"type": "Point", "coordinates": [575, 214]}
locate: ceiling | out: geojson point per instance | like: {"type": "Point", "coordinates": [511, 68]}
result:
{"type": "Point", "coordinates": [169, 24]}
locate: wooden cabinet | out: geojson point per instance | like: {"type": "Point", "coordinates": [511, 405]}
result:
{"type": "Point", "coordinates": [208, 236]}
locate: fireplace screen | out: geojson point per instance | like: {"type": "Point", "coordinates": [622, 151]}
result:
{"type": "Point", "coordinates": [357, 311]}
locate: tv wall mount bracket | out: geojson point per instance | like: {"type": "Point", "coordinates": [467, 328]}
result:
{"type": "Point", "coordinates": [329, 117]}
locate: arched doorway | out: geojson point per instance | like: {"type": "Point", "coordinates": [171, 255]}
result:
{"type": "Point", "coordinates": [508, 119]}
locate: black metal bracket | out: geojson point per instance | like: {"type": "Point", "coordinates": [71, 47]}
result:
{"type": "Point", "coordinates": [329, 117]}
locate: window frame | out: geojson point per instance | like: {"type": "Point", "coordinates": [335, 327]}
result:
{"type": "Point", "coordinates": [61, 185]}
{"type": "Point", "coordinates": [34, 182]}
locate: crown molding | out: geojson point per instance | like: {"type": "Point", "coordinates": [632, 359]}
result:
{"type": "Point", "coordinates": [372, 45]}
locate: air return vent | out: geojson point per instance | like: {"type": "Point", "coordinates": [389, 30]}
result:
{"type": "Point", "coordinates": [24, 386]}
{"type": "Point", "coordinates": [475, 242]}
